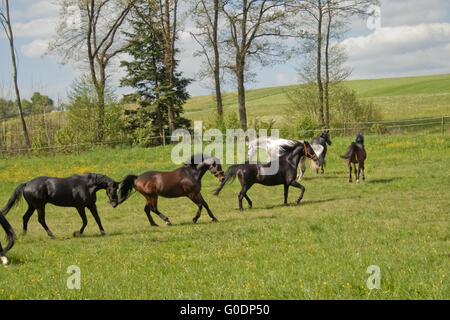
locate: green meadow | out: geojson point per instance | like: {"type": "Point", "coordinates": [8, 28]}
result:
{"type": "Point", "coordinates": [398, 220]}
{"type": "Point", "coordinates": [396, 99]}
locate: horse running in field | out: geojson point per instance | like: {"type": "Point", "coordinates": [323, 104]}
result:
{"type": "Point", "coordinates": [274, 147]}
{"type": "Point", "coordinates": [77, 191]}
{"type": "Point", "coordinates": [251, 173]}
{"type": "Point", "coordinates": [356, 154]}
{"type": "Point", "coordinates": [10, 235]}
{"type": "Point", "coordinates": [182, 182]}
{"type": "Point", "coordinates": [322, 140]}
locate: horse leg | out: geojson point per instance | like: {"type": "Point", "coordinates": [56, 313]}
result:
{"type": "Point", "coordinates": [350, 170]}
{"type": "Point", "coordinates": [298, 185]}
{"type": "Point", "coordinates": [362, 167]}
{"type": "Point", "coordinates": [302, 169]}
{"type": "Point", "coordinates": [198, 199]}
{"type": "Point", "coordinates": [93, 210]}
{"type": "Point", "coordinates": [3, 259]}
{"type": "Point", "coordinates": [26, 218]}
{"type": "Point", "coordinates": [41, 219]}
{"type": "Point", "coordinates": [286, 191]}
{"type": "Point", "coordinates": [356, 172]}
{"type": "Point", "coordinates": [149, 216]}
{"type": "Point", "coordinates": [154, 208]}
{"type": "Point", "coordinates": [359, 172]}
{"type": "Point", "coordinates": [82, 213]}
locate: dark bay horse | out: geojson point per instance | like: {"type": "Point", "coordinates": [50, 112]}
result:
{"type": "Point", "coordinates": [77, 191]}
{"type": "Point", "coordinates": [182, 182]}
{"type": "Point", "coordinates": [11, 237]}
{"type": "Point", "coordinates": [323, 139]}
{"type": "Point", "coordinates": [251, 173]}
{"type": "Point", "coordinates": [356, 154]}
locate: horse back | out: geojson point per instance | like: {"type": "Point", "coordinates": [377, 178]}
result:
{"type": "Point", "coordinates": [168, 184]}
{"type": "Point", "coordinates": [66, 192]}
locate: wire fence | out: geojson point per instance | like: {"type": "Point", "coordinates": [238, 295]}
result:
{"type": "Point", "coordinates": [434, 125]}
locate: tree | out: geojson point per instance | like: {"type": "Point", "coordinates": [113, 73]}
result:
{"type": "Point", "coordinates": [39, 104]}
{"type": "Point", "coordinates": [5, 20]}
{"type": "Point", "coordinates": [89, 31]}
{"type": "Point", "coordinates": [206, 17]}
{"type": "Point", "coordinates": [253, 28]}
{"type": "Point", "coordinates": [157, 94]}
{"type": "Point", "coordinates": [326, 20]}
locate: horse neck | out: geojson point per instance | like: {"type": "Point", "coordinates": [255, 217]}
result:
{"type": "Point", "coordinates": [101, 181]}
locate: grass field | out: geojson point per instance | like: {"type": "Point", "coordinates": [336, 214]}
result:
{"type": "Point", "coordinates": [396, 98]}
{"type": "Point", "coordinates": [398, 219]}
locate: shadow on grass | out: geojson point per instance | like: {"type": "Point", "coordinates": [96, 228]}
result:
{"type": "Point", "coordinates": [389, 180]}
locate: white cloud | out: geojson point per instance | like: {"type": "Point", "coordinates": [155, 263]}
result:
{"type": "Point", "coordinates": [404, 50]}
{"type": "Point", "coordinates": [42, 8]}
{"type": "Point", "coordinates": [38, 28]}
{"type": "Point", "coordinates": [36, 48]}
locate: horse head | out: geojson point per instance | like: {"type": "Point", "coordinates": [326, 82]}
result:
{"type": "Point", "coordinates": [112, 193]}
{"type": "Point", "coordinates": [360, 138]}
{"type": "Point", "coordinates": [211, 163]}
{"type": "Point", "coordinates": [326, 136]}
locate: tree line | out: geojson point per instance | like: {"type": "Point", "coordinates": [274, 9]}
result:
{"type": "Point", "coordinates": [233, 38]}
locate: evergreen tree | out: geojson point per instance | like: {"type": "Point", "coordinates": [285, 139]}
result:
{"type": "Point", "coordinates": [146, 73]}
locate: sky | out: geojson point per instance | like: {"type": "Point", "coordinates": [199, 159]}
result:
{"type": "Point", "coordinates": [411, 38]}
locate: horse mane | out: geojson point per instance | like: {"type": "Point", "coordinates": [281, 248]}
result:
{"type": "Point", "coordinates": [192, 161]}
{"type": "Point", "coordinates": [289, 148]}
{"type": "Point", "coordinates": [99, 179]}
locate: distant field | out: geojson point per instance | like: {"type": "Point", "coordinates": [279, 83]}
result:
{"type": "Point", "coordinates": [397, 98]}
{"type": "Point", "coordinates": [397, 219]}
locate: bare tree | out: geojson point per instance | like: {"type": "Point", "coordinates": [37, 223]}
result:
{"type": "Point", "coordinates": [169, 26]}
{"type": "Point", "coordinates": [206, 15]}
{"type": "Point", "coordinates": [327, 21]}
{"type": "Point", "coordinates": [89, 31]}
{"type": "Point", "coordinates": [5, 20]}
{"type": "Point", "coordinates": [254, 26]}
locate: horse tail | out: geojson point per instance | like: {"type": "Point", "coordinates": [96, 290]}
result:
{"type": "Point", "coordinates": [9, 233]}
{"type": "Point", "coordinates": [230, 175]}
{"type": "Point", "coordinates": [350, 151]}
{"type": "Point", "coordinates": [15, 197]}
{"type": "Point", "coordinates": [127, 185]}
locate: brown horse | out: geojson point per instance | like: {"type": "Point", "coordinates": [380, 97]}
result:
{"type": "Point", "coordinates": [356, 154]}
{"type": "Point", "coordinates": [182, 182]}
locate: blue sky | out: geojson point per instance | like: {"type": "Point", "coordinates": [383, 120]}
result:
{"type": "Point", "coordinates": [414, 39]}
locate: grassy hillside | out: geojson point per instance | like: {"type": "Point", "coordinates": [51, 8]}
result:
{"type": "Point", "coordinates": [397, 219]}
{"type": "Point", "coordinates": [397, 98]}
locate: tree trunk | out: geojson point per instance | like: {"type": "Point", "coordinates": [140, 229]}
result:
{"type": "Point", "coordinates": [10, 36]}
{"type": "Point", "coordinates": [319, 63]}
{"type": "Point", "coordinates": [241, 95]}
{"type": "Point", "coordinates": [169, 58]}
{"type": "Point", "coordinates": [327, 69]}
{"type": "Point", "coordinates": [216, 60]}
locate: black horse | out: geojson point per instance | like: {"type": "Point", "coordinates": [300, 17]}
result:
{"type": "Point", "coordinates": [77, 191]}
{"type": "Point", "coordinates": [323, 139]}
{"type": "Point", "coordinates": [10, 235]}
{"type": "Point", "coordinates": [251, 173]}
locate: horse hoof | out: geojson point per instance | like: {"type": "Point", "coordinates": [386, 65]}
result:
{"type": "Point", "coordinates": [76, 234]}
{"type": "Point", "coordinates": [168, 223]}
{"type": "Point", "coordinates": [357, 181]}
{"type": "Point", "coordinates": [194, 220]}
{"type": "Point", "coordinates": [103, 233]}
{"type": "Point", "coordinates": [154, 225]}
{"type": "Point", "coordinates": [24, 233]}
{"type": "Point", "coordinates": [215, 220]}
{"type": "Point", "coordinates": [5, 261]}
